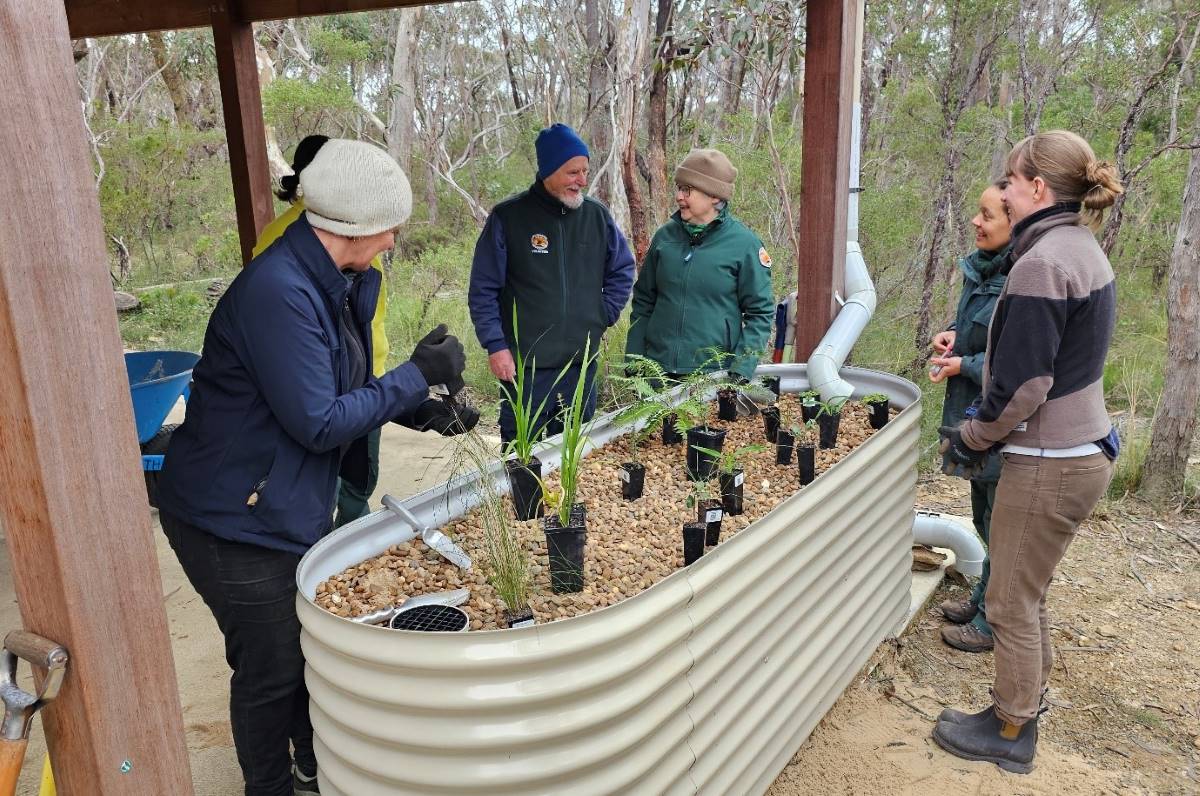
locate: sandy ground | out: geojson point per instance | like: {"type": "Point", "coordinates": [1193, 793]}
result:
{"type": "Point", "coordinates": [1125, 605]}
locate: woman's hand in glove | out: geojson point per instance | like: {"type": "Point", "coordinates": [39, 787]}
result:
{"type": "Point", "coordinates": [439, 356]}
{"type": "Point", "coordinates": [435, 414]}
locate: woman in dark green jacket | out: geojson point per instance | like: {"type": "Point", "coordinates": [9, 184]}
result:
{"type": "Point", "coordinates": [959, 362]}
{"type": "Point", "coordinates": [706, 281]}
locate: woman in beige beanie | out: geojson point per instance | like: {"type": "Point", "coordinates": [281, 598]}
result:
{"type": "Point", "coordinates": [282, 401]}
{"type": "Point", "coordinates": [706, 281]}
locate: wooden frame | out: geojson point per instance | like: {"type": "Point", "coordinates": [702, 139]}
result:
{"type": "Point", "coordinates": [825, 171]}
{"type": "Point", "coordinates": [72, 498]}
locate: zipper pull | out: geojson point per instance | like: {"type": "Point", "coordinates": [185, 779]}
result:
{"type": "Point", "coordinates": [253, 499]}
{"type": "Point", "coordinates": [688, 258]}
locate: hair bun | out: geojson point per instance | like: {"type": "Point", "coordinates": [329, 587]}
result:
{"type": "Point", "coordinates": [1105, 185]}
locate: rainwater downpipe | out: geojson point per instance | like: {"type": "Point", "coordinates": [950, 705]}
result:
{"type": "Point", "coordinates": [830, 354]}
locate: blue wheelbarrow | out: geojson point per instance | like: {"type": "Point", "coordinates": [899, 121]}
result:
{"type": "Point", "coordinates": [156, 380]}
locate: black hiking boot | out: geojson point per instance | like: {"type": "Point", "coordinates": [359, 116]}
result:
{"type": "Point", "coordinates": [990, 739]}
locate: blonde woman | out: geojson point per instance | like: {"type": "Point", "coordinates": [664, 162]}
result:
{"type": "Point", "coordinates": [1043, 405]}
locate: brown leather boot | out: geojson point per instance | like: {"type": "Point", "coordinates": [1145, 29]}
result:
{"type": "Point", "coordinates": [967, 638]}
{"type": "Point", "coordinates": [959, 611]}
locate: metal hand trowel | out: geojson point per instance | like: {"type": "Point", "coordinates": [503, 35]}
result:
{"type": "Point", "coordinates": [430, 536]}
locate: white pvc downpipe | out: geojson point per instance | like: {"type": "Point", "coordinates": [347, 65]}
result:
{"type": "Point", "coordinates": [935, 530]}
{"type": "Point", "coordinates": [830, 354]}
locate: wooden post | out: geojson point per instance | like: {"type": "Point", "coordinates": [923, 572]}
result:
{"type": "Point", "coordinates": [72, 498]}
{"type": "Point", "coordinates": [237, 71]}
{"type": "Point", "coordinates": [825, 172]}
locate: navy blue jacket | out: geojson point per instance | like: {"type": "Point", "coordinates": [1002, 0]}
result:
{"type": "Point", "coordinates": [257, 457]}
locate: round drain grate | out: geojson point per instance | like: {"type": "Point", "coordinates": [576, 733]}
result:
{"type": "Point", "coordinates": [431, 617]}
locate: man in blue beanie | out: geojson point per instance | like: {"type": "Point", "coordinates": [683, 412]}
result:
{"type": "Point", "coordinates": [555, 256]}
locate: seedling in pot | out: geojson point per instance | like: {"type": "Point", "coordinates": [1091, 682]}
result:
{"type": "Point", "coordinates": [646, 380]}
{"type": "Point", "coordinates": [708, 511]}
{"type": "Point", "coordinates": [877, 409]}
{"type": "Point", "coordinates": [730, 474]}
{"type": "Point", "coordinates": [806, 459]}
{"type": "Point", "coordinates": [566, 529]}
{"type": "Point", "coordinates": [828, 420]}
{"type": "Point", "coordinates": [810, 404]}
{"type": "Point", "coordinates": [524, 469]}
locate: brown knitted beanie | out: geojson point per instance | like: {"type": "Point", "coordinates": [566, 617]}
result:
{"type": "Point", "coordinates": [709, 170]}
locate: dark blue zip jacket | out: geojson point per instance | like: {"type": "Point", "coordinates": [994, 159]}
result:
{"type": "Point", "coordinates": [257, 457]}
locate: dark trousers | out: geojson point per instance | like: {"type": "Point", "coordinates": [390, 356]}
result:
{"type": "Point", "coordinates": [352, 501]}
{"type": "Point", "coordinates": [540, 383]}
{"type": "Point", "coordinates": [251, 592]}
{"type": "Point", "coordinates": [983, 499]}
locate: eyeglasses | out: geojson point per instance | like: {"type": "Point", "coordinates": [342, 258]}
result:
{"type": "Point", "coordinates": [684, 188]}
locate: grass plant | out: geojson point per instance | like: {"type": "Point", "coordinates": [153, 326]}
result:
{"type": "Point", "coordinates": [574, 441]}
{"type": "Point", "coordinates": [507, 564]}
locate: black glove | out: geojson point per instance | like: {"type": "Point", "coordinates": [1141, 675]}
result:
{"type": "Point", "coordinates": [439, 356]}
{"type": "Point", "coordinates": [958, 454]}
{"type": "Point", "coordinates": [435, 414]}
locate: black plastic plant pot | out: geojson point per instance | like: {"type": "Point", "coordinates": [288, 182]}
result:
{"type": "Point", "coordinates": [784, 441]}
{"type": "Point", "coordinates": [710, 512]}
{"type": "Point", "coordinates": [564, 548]}
{"type": "Point", "coordinates": [732, 485]}
{"type": "Point", "coordinates": [727, 404]}
{"type": "Point", "coordinates": [526, 488]}
{"type": "Point", "coordinates": [877, 413]}
{"type": "Point", "coordinates": [633, 479]}
{"type": "Point", "coordinates": [770, 416]}
{"type": "Point", "coordinates": [670, 435]}
{"type": "Point", "coordinates": [702, 466]}
{"type": "Point", "coordinates": [772, 384]}
{"type": "Point", "coordinates": [827, 425]}
{"type": "Point", "coordinates": [520, 619]}
{"type": "Point", "coordinates": [693, 541]}
{"type": "Point", "coordinates": [806, 459]}
{"type": "Point", "coordinates": [809, 411]}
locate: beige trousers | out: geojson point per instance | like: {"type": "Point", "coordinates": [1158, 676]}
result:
{"type": "Point", "coordinates": [1040, 503]}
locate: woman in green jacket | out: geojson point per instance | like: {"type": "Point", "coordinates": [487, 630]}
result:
{"type": "Point", "coordinates": [958, 361]}
{"type": "Point", "coordinates": [706, 281]}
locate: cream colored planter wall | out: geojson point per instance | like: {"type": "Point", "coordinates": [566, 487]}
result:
{"type": "Point", "coordinates": [707, 682]}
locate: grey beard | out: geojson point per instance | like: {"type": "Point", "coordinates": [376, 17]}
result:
{"type": "Point", "coordinates": [572, 201]}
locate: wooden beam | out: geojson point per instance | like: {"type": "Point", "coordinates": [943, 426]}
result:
{"type": "Point", "coordinates": [825, 171]}
{"type": "Point", "coordinates": [72, 497]}
{"type": "Point", "coordinates": [237, 72]}
{"type": "Point", "coordinates": [114, 17]}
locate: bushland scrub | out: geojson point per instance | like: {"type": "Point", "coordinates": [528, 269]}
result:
{"type": "Point", "coordinates": [168, 211]}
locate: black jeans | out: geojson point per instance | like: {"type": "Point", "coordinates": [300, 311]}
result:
{"type": "Point", "coordinates": [251, 592]}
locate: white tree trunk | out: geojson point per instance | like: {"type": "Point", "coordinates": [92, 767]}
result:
{"type": "Point", "coordinates": [401, 130]}
{"type": "Point", "coordinates": [1175, 418]}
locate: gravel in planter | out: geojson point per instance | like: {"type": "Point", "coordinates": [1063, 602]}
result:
{"type": "Point", "coordinates": [631, 545]}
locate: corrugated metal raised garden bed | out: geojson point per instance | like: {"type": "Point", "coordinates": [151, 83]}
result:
{"type": "Point", "coordinates": [663, 679]}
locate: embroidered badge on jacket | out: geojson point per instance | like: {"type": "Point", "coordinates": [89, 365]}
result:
{"type": "Point", "coordinates": [763, 257]}
{"type": "Point", "coordinates": [540, 243]}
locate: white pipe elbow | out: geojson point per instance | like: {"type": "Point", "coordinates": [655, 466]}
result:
{"type": "Point", "coordinates": [935, 530]}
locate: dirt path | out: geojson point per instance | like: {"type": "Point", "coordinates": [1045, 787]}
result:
{"type": "Point", "coordinates": [1125, 607]}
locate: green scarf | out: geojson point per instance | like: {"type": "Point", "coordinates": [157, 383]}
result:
{"type": "Point", "coordinates": [696, 230]}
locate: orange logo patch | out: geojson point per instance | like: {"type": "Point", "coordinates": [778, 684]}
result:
{"type": "Point", "coordinates": [539, 242]}
{"type": "Point", "coordinates": [763, 257]}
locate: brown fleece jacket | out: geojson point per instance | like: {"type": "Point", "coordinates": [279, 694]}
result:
{"type": "Point", "coordinates": [1043, 378]}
